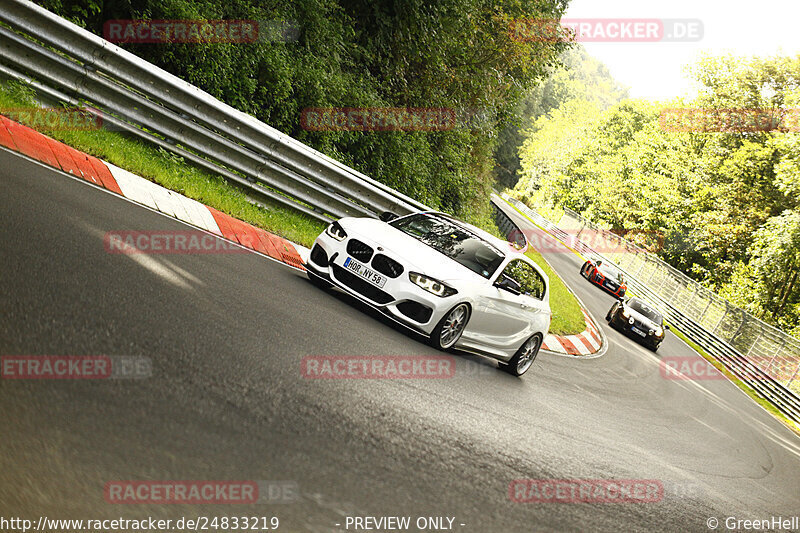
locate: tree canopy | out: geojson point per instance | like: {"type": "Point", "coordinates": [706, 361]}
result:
{"type": "Point", "coordinates": [726, 200]}
{"type": "Point", "coordinates": [456, 54]}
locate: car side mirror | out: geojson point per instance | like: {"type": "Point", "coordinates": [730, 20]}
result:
{"type": "Point", "coordinates": [388, 216]}
{"type": "Point", "coordinates": [508, 284]}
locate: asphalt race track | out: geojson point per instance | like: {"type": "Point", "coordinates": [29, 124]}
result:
{"type": "Point", "coordinates": [226, 401]}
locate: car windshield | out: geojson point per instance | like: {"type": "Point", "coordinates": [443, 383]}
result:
{"type": "Point", "coordinates": [611, 272]}
{"type": "Point", "coordinates": [452, 240]}
{"type": "Point", "coordinates": [644, 309]}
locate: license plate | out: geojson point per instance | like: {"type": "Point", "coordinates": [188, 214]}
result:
{"type": "Point", "coordinates": [364, 272]}
{"type": "Point", "coordinates": [639, 332]}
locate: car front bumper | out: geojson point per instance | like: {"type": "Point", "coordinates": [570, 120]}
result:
{"type": "Point", "coordinates": [399, 297]}
{"type": "Point", "coordinates": [624, 325]}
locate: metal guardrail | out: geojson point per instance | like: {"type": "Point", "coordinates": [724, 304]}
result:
{"type": "Point", "coordinates": [507, 226]}
{"type": "Point", "coordinates": [68, 63]}
{"type": "Point", "coordinates": [772, 350]}
{"type": "Point", "coordinates": [741, 365]}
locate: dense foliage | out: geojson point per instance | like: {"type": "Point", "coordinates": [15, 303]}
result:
{"type": "Point", "coordinates": [576, 76]}
{"type": "Point", "coordinates": [456, 54]}
{"type": "Point", "coordinates": [726, 202]}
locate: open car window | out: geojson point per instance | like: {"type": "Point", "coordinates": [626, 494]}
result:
{"type": "Point", "coordinates": [530, 281]}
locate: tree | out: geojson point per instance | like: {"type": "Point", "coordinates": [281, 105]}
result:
{"type": "Point", "coordinates": [770, 278]}
{"type": "Point", "coordinates": [578, 76]}
{"type": "Point", "coordinates": [712, 195]}
{"type": "Point", "coordinates": [358, 53]}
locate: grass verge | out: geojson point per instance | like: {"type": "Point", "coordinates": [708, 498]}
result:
{"type": "Point", "coordinates": [719, 366]}
{"type": "Point", "coordinates": [170, 171]}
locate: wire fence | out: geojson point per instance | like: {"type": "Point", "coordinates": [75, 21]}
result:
{"type": "Point", "coordinates": [726, 327]}
{"type": "Point", "coordinates": [770, 349]}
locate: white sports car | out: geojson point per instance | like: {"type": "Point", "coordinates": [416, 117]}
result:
{"type": "Point", "coordinates": [451, 281]}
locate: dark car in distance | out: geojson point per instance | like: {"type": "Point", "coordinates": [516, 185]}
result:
{"type": "Point", "coordinates": [638, 319]}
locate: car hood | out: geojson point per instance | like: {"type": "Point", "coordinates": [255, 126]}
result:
{"type": "Point", "coordinates": [643, 319]}
{"type": "Point", "coordinates": [414, 254]}
{"type": "Point", "coordinates": [609, 273]}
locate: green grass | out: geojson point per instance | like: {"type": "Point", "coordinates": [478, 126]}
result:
{"type": "Point", "coordinates": [172, 172]}
{"type": "Point", "coordinates": [567, 316]}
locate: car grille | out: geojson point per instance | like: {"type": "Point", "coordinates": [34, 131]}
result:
{"type": "Point", "coordinates": [318, 256]}
{"type": "Point", "coordinates": [387, 266]}
{"type": "Point", "coordinates": [359, 250]}
{"type": "Point", "coordinates": [360, 286]}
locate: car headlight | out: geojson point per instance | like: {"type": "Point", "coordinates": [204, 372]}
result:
{"type": "Point", "coordinates": [336, 231]}
{"type": "Point", "coordinates": [659, 331]}
{"type": "Point", "coordinates": [431, 285]}
{"type": "Point", "coordinates": [626, 313]}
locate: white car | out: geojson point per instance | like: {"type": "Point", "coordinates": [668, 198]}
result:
{"type": "Point", "coordinates": [458, 285]}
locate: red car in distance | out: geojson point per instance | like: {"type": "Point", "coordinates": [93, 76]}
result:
{"type": "Point", "coordinates": [604, 275]}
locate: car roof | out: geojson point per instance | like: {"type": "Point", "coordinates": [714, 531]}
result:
{"type": "Point", "coordinates": [611, 267]}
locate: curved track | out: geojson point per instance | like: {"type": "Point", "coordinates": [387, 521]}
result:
{"type": "Point", "coordinates": [226, 334]}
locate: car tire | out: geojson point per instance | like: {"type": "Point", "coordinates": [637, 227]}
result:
{"type": "Point", "coordinates": [449, 329]}
{"type": "Point", "coordinates": [525, 356]}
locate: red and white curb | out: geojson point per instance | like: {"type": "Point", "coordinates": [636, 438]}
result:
{"type": "Point", "coordinates": [587, 342]}
{"type": "Point", "coordinates": [37, 146]}
{"type": "Point", "coordinates": [33, 144]}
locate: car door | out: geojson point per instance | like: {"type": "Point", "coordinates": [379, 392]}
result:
{"type": "Point", "coordinates": [504, 318]}
{"type": "Point", "coordinates": [534, 291]}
